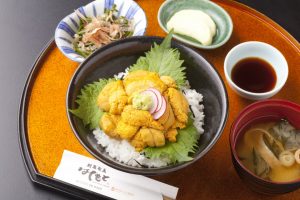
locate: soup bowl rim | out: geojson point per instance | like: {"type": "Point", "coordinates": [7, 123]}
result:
{"type": "Point", "coordinates": [233, 136]}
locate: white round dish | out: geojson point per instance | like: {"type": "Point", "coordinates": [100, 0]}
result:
{"type": "Point", "coordinates": [65, 30]}
{"type": "Point", "coordinates": [263, 51]}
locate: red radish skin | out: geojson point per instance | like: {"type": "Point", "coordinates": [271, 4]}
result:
{"type": "Point", "coordinates": [154, 100]}
{"type": "Point", "coordinates": [159, 97]}
{"type": "Point", "coordinates": [162, 110]}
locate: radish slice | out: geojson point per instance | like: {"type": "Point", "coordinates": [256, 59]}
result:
{"type": "Point", "coordinates": [154, 100]}
{"type": "Point", "coordinates": [162, 110]}
{"type": "Point", "coordinates": [159, 98]}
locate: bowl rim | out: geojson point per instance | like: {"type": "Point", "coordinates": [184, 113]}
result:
{"type": "Point", "coordinates": [81, 59]}
{"type": "Point", "coordinates": [165, 169]}
{"type": "Point", "coordinates": [194, 44]}
{"type": "Point", "coordinates": [254, 94]}
{"type": "Point", "coordinates": [233, 140]}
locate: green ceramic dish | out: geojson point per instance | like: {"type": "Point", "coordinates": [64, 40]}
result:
{"type": "Point", "coordinates": [219, 15]}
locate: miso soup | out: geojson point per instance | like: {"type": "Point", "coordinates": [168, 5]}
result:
{"type": "Point", "coordinates": [271, 150]}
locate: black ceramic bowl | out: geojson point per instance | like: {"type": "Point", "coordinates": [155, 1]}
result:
{"type": "Point", "coordinates": [115, 58]}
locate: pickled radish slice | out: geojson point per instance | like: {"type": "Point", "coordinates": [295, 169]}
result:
{"type": "Point", "coordinates": [154, 100]}
{"type": "Point", "coordinates": [286, 158]}
{"type": "Point", "coordinates": [162, 110]}
{"type": "Point", "coordinates": [159, 98]}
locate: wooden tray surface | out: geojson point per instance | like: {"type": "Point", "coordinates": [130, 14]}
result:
{"type": "Point", "coordinates": [212, 177]}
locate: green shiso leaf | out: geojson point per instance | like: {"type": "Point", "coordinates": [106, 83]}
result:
{"type": "Point", "coordinates": [186, 144]}
{"type": "Point", "coordinates": [164, 60]}
{"type": "Point", "coordinates": [87, 109]}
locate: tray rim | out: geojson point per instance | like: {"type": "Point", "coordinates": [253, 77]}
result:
{"type": "Point", "coordinates": [72, 190]}
{"type": "Point", "coordinates": [34, 175]}
{"type": "Point", "coordinates": [262, 17]}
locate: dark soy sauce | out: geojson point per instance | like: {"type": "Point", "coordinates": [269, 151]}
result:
{"type": "Point", "coordinates": [254, 75]}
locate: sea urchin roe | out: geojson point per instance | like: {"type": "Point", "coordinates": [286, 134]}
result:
{"type": "Point", "coordinates": [193, 23]}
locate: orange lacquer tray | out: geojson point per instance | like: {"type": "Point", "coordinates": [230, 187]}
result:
{"type": "Point", "coordinates": [212, 177]}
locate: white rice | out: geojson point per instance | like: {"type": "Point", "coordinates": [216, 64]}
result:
{"type": "Point", "coordinates": [194, 98]}
{"type": "Point", "coordinates": [122, 150]}
{"type": "Point", "coordinates": [122, 75]}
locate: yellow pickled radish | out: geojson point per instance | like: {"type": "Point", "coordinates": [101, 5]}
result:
{"type": "Point", "coordinates": [297, 156]}
{"type": "Point", "coordinates": [286, 158]}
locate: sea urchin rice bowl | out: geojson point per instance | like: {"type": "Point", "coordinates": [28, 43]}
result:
{"type": "Point", "coordinates": [147, 116]}
{"type": "Point", "coordinates": [124, 152]}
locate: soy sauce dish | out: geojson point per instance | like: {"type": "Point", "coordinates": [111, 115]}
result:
{"type": "Point", "coordinates": [255, 70]}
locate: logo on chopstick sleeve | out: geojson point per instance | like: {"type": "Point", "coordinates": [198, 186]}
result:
{"type": "Point", "coordinates": [94, 173]}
